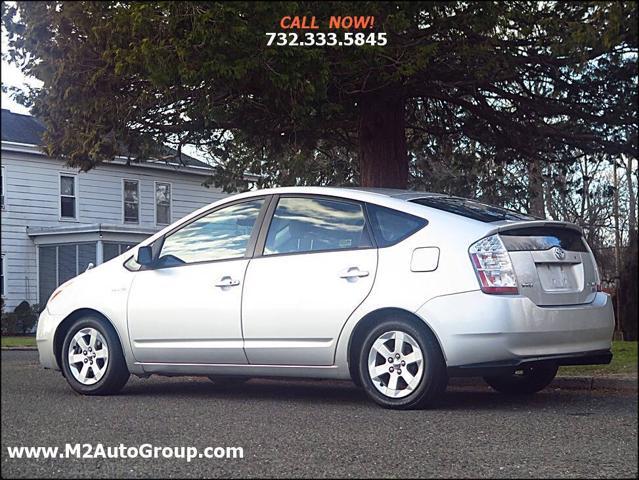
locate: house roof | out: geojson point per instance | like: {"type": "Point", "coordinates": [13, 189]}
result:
{"type": "Point", "coordinates": [26, 129]}
{"type": "Point", "coordinates": [21, 128]}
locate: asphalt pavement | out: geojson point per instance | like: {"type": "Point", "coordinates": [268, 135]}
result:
{"type": "Point", "coordinates": [296, 428]}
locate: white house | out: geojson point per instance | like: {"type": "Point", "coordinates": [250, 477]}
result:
{"type": "Point", "coordinates": [55, 220]}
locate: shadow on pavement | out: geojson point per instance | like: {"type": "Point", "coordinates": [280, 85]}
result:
{"type": "Point", "coordinates": [333, 392]}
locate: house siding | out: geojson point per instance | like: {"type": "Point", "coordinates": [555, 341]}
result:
{"type": "Point", "coordinates": [32, 199]}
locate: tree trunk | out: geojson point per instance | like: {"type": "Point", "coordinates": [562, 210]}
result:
{"type": "Point", "coordinates": [632, 206]}
{"type": "Point", "coordinates": [615, 217]}
{"type": "Point", "coordinates": [536, 189]}
{"type": "Point", "coordinates": [383, 157]}
{"type": "Point", "coordinates": [548, 191]}
{"type": "Point", "coordinates": [584, 190]}
{"type": "Point", "coordinates": [615, 214]}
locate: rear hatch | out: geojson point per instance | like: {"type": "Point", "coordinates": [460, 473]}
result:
{"type": "Point", "coordinates": [552, 262]}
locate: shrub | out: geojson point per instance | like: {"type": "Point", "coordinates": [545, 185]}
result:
{"type": "Point", "coordinates": [27, 316]}
{"type": "Point", "coordinates": [9, 324]}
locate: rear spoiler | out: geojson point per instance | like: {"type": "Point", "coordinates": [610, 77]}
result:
{"type": "Point", "coordinates": [503, 227]}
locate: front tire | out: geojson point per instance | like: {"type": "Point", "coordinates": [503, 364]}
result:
{"type": "Point", "coordinates": [524, 382]}
{"type": "Point", "coordinates": [401, 366]}
{"type": "Point", "coordinates": [92, 358]}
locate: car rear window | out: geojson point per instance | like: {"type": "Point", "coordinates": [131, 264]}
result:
{"type": "Point", "coordinates": [543, 238]}
{"type": "Point", "coordinates": [392, 226]}
{"type": "Point", "coordinates": [471, 209]}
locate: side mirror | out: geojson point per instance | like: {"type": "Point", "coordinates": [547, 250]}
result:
{"type": "Point", "coordinates": [145, 255]}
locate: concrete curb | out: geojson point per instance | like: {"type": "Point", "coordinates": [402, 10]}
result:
{"type": "Point", "coordinates": [607, 383]}
{"type": "Point", "coordinates": [19, 349]}
{"type": "Point", "coordinates": [566, 383]}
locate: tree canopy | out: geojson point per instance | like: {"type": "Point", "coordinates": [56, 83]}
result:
{"type": "Point", "coordinates": [518, 80]}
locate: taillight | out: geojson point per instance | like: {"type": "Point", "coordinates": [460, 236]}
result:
{"type": "Point", "coordinates": [493, 266]}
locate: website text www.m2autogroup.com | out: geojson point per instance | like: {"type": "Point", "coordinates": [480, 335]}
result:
{"type": "Point", "coordinates": [146, 450]}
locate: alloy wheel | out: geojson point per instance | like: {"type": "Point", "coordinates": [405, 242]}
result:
{"type": "Point", "coordinates": [395, 364]}
{"type": "Point", "coordinates": [88, 356]}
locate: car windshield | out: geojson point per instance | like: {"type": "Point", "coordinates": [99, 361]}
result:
{"type": "Point", "coordinates": [472, 209]}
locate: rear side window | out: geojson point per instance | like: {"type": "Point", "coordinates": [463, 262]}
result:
{"type": "Point", "coordinates": [306, 224]}
{"type": "Point", "coordinates": [471, 209]}
{"type": "Point", "coordinates": [543, 238]}
{"type": "Point", "coordinates": [392, 226]}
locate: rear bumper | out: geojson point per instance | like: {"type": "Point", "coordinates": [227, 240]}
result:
{"type": "Point", "coordinates": [599, 357]}
{"type": "Point", "coordinates": [476, 328]}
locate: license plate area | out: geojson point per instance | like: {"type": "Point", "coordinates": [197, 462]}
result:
{"type": "Point", "coordinates": [561, 277]}
{"type": "Point", "coordinates": [547, 281]}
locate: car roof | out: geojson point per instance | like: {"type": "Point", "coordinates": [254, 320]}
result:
{"type": "Point", "coordinates": [409, 201]}
{"type": "Point", "coordinates": [397, 192]}
{"type": "Point", "coordinates": [349, 192]}
{"type": "Point", "coordinates": [391, 198]}
{"type": "Point", "coordinates": [397, 199]}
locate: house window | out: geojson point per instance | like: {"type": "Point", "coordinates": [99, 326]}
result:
{"type": "Point", "coordinates": [2, 267]}
{"type": "Point", "coordinates": [131, 198]}
{"type": "Point", "coordinates": [47, 272]}
{"type": "Point", "coordinates": [162, 203]}
{"type": "Point", "coordinates": [59, 263]}
{"type": "Point", "coordinates": [2, 187]}
{"type": "Point", "coordinates": [68, 196]}
{"type": "Point", "coordinates": [111, 250]}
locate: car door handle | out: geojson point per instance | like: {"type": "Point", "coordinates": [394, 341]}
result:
{"type": "Point", "coordinates": [227, 282]}
{"type": "Point", "coordinates": [353, 272]}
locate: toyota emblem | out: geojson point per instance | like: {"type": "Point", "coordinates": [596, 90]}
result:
{"type": "Point", "coordinates": [559, 252]}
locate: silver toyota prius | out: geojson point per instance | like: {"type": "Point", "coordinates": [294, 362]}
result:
{"type": "Point", "coordinates": [395, 290]}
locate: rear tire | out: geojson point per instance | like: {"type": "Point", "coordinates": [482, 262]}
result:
{"type": "Point", "coordinates": [530, 380]}
{"type": "Point", "coordinates": [92, 358]}
{"type": "Point", "coordinates": [401, 366]}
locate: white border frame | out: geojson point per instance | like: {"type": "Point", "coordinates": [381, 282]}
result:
{"type": "Point", "coordinates": [76, 197]}
{"type": "Point", "coordinates": [124, 221]}
{"type": "Point", "coordinates": [155, 204]}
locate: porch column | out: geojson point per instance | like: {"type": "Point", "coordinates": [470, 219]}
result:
{"type": "Point", "coordinates": [99, 252]}
{"type": "Point", "coordinates": [37, 260]}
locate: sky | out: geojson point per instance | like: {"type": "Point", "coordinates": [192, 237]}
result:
{"type": "Point", "coordinates": [12, 76]}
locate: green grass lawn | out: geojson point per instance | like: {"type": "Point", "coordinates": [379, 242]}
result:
{"type": "Point", "coordinates": [18, 341]}
{"type": "Point", "coordinates": [624, 360]}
